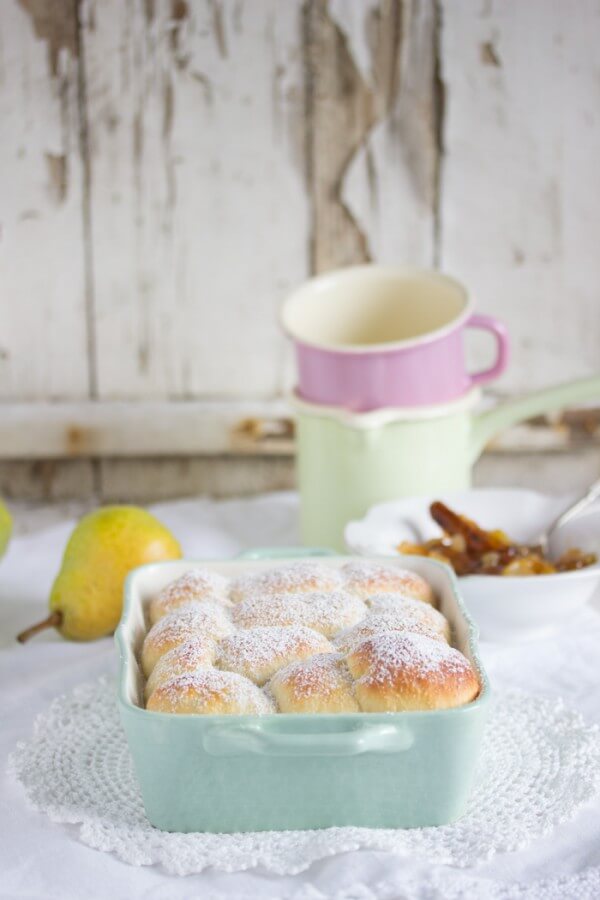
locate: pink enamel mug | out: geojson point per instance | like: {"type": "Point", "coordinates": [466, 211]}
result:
{"type": "Point", "coordinates": [370, 337]}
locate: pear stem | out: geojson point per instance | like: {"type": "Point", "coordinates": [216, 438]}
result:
{"type": "Point", "coordinates": [54, 620]}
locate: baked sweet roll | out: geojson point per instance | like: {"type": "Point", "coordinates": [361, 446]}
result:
{"type": "Point", "coordinates": [294, 578]}
{"type": "Point", "coordinates": [397, 671]}
{"type": "Point", "coordinates": [257, 653]}
{"type": "Point", "coordinates": [405, 614]}
{"type": "Point", "coordinates": [367, 578]}
{"type": "Point", "coordinates": [196, 586]}
{"type": "Point", "coordinates": [302, 638]}
{"type": "Point", "coordinates": [206, 620]}
{"type": "Point", "coordinates": [325, 612]}
{"type": "Point", "coordinates": [321, 684]}
{"type": "Point", "coordinates": [210, 692]}
{"type": "Point", "coordinates": [195, 654]}
{"type": "Point", "coordinates": [409, 609]}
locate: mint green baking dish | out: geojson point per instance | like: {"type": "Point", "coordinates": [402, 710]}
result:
{"type": "Point", "coordinates": [279, 772]}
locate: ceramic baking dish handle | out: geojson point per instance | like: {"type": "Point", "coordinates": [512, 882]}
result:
{"type": "Point", "coordinates": [258, 739]}
{"type": "Point", "coordinates": [285, 552]}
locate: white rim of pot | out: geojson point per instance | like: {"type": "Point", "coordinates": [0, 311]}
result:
{"type": "Point", "coordinates": [378, 417]}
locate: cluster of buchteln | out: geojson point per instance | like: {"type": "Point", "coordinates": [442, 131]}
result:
{"type": "Point", "coordinates": [304, 637]}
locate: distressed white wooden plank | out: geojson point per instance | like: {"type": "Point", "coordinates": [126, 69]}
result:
{"type": "Point", "coordinates": [199, 428]}
{"type": "Point", "coordinates": [554, 473]}
{"type": "Point", "coordinates": [521, 181]}
{"type": "Point", "coordinates": [24, 485]}
{"type": "Point", "coordinates": [390, 185]}
{"type": "Point", "coordinates": [57, 430]}
{"type": "Point", "coordinates": [372, 160]}
{"type": "Point", "coordinates": [340, 111]}
{"type": "Point", "coordinates": [143, 481]}
{"type": "Point", "coordinates": [43, 342]}
{"type": "Point", "coordinates": [39, 494]}
{"type": "Point", "coordinates": [198, 201]}
{"type": "Point", "coordinates": [47, 480]}
{"type": "Point", "coordinates": [61, 489]}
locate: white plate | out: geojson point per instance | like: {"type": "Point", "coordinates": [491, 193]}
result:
{"type": "Point", "coordinates": [504, 607]}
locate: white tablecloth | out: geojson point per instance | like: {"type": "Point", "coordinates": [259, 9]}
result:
{"type": "Point", "coordinates": [39, 859]}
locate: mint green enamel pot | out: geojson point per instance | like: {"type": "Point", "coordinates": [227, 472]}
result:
{"type": "Point", "coordinates": [348, 462]}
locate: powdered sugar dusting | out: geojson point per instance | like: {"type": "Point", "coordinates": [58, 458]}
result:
{"type": "Point", "coordinates": [280, 631]}
{"type": "Point", "coordinates": [197, 582]}
{"type": "Point", "coordinates": [197, 585]}
{"type": "Point", "coordinates": [365, 569]}
{"type": "Point", "coordinates": [188, 655]}
{"type": "Point", "coordinates": [364, 577]}
{"type": "Point", "coordinates": [293, 578]}
{"type": "Point", "coordinates": [219, 692]}
{"type": "Point", "coordinates": [259, 652]}
{"type": "Point", "coordinates": [183, 623]}
{"type": "Point", "coordinates": [196, 653]}
{"type": "Point", "coordinates": [391, 652]}
{"type": "Point", "coordinates": [322, 674]}
{"type": "Point", "coordinates": [389, 620]}
{"type": "Point", "coordinates": [398, 608]}
{"type": "Point", "coordinates": [326, 612]}
{"type": "Point", "coordinates": [384, 600]}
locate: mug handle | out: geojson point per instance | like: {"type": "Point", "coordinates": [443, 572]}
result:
{"type": "Point", "coordinates": [488, 323]}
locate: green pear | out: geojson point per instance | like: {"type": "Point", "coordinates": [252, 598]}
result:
{"type": "Point", "coordinates": [5, 528]}
{"type": "Point", "coordinates": [87, 595]}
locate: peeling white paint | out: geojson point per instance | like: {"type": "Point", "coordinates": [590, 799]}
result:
{"type": "Point", "coordinates": [521, 180]}
{"type": "Point", "coordinates": [43, 324]}
{"type": "Point", "coordinates": [200, 206]}
{"type": "Point", "coordinates": [199, 210]}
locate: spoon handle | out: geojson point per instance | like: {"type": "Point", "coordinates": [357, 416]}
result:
{"type": "Point", "coordinates": [591, 494]}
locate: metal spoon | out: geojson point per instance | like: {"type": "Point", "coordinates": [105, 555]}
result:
{"type": "Point", "coordinates": [591, 494]}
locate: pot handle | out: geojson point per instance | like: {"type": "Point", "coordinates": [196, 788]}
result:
{"type": "Point", "coordinates": [488, 323]}
{"type": "Point", "coordinates": [489, 423]}
{"type": "Point", "coordinates": [258, 739]}
{"type": "Point", "coordinates": [285, 552]}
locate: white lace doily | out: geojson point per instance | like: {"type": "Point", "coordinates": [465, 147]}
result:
{"type": "Point", "coordinates": [540, 763]}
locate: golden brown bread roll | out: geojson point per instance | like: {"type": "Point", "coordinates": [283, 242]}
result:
{"type": "Point", "coordinates": [257, 653]}
{"type": "Point", "coordinates": [365, 578]}
{"type": "Point", "coordinates": [403, 614]}
{"type": "Point", "coordinates": [195, 586]}
{"type": "Point", "coordinates": [388, 650]}
{"type": "Point", "coordinates": [398, 671]}
{"type": "Point", "coordinates": [210, 692]}
{"type": "Point", "coordinates": [323, 612]}
{"type": "Point", "coordinates": [293, 578]}
{"type": "Point", "coordinates": [321, 684]}
{"type": "Point", "coordinates": [207, 620]}
{"type": "Point", "coordinates": [196, 654]}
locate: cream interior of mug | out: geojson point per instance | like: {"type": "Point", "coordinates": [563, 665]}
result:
{"type": "Point", "coordinates": [369, 305]}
